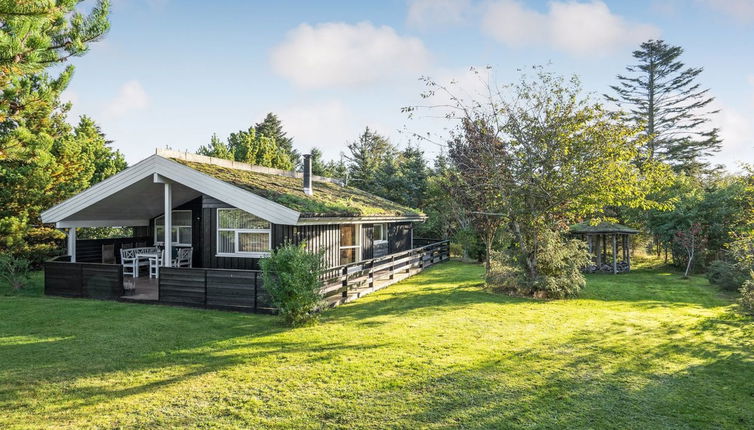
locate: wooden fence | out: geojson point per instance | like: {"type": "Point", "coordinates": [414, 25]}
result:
{"type": "Point", "coordinates": [351, 281]}
{"type": "Point", "coordinates": [90, 280]}
{"type": "Point", "coordinates": [243, 290]}
{"type": "Point", "coordinates": [240, 290]}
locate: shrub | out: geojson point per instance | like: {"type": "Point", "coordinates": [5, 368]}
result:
{"type": "Point", "coordinates": [727, 276]}
{"type": "Point", "coordinates": [14, 271]}
{"type": "Point", "coordinates": [292, 277]}
{"type": "Point", "coordinates": [747, 296]}
{"type": "Point", "coordinates": [558, 269]}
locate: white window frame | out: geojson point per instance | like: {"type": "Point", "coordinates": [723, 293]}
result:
{"type": "Point", "coordinates": [384, 232]}
{"type": "Point", "coordinates": [357, 233]}
{"type": "Point", "coordinates": [238, 231]}
{"type": "Point", "coordinates": [174, 226]}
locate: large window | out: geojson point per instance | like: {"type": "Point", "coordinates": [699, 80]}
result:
{"type": "Point", "coordinates": [349, 243]}
{"type": "Point", "coordinates": [181, 230]}
{"type": "Point", "coordinates": [242, 234]}
{"type": "Point", "coordinates": [379, 234]}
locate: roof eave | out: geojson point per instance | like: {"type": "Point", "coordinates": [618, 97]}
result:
{"type": "Point", "coordinates": [359, 219]}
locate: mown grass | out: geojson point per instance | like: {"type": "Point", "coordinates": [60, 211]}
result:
{"type": "Point", "coordinates": [643, 350]}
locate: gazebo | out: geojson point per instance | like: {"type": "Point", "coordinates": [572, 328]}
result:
{"type": "Point", "coordinates": [603, 241]}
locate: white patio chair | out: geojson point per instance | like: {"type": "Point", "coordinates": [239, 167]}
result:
{"type": "Point", "coordinates": [130, 262]}
{"type": "Point", "coordinates": [155, 263]}
{"type": "Point", "coordinates": [183, 257]}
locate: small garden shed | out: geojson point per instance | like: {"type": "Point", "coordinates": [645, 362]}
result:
{"type": "Point", "coordinates": [604, 241]}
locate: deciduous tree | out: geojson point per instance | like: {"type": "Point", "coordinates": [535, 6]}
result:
{"type": "Point", "coordinates": [534, 156]}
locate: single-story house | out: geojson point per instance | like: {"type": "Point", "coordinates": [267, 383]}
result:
{"type": "Point", "coordinates": [232, 214]}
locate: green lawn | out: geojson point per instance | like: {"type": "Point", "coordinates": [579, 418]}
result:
{"type": "Point", "coordinates": [644, 350]}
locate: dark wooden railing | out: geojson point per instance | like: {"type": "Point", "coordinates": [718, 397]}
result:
{"type": "Point", "coordinates": [351, 281]}
{"type": "Point", "coordinates": [243, 290]}
{"type": "Point", "coordinates": [90, 280]}
{"type": "Point", "coordinates": [237, 290]}
{"type": "Point", "coordinates": [240, 290]}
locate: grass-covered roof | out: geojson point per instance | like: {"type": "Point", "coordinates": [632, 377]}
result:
{"type": "Point", "coordinates": [601, 228]}
{"type": "Point", "coordinates": [328, 200]}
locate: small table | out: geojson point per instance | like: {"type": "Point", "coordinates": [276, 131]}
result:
{"type": "Point", "coordinates": [148, 256]}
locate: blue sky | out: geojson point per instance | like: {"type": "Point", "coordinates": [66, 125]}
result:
{"type": "Point", "coordinates": [171, 73]}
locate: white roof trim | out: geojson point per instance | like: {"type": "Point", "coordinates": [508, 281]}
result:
{"type": "Point", "coordinates": [205, 184]}
{"type": "Point", "coordinates": [101, 223]}
{"type": "Point", "coordinates": [359, 220]}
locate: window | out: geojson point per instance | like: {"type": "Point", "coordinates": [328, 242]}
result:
{"type": "Point", "coordinates": [181, 229]}
{"type": "Point", "coordinates": [349, 243]}
{"type": "Point", "coordinates": [379, 234]}
{"type": "Point", "coordinates": [242, 234]}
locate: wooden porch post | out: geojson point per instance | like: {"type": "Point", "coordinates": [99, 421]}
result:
{"type": "Point", "coordinates": [599, 251]}
{"type": "Point", "coordinates": [615, 254]}
{"type": "Point", "coordinates": [72, 244]}
{"type": "Point", "coordinates": [168, 225]}
{"type": "Point", "coordinates": [628, 252]}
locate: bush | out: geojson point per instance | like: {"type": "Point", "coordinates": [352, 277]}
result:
{"type": "Point", "coordinates": [292, 277]}
{"type": "Point", "coordinates": [14, 271]}
{"type": "Point", "coordinates": [747, 296]}
{"type": "Point", "coordinates": [472, 247]}
{"type": "Point", "coordinates": [558, 269]}
{"type": "Point", "coordinates": [727, 276]}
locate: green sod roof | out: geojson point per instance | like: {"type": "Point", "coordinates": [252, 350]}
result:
{"type": "Point", "coordinates": [603, 227]}
{"type": "Point", "coordinates": [328, 200]}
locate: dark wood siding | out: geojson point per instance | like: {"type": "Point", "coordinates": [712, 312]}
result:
{"type": "Point", "coordinates": [90, 250]}
{"type": "Point", "coordinates": [209, 238]}
{"type": "Point", "coordinates": [399, 237]}
{"type": "Point", "coordinates": [324, 238]}
{"type": "Point", "coordinates": [197, 228]}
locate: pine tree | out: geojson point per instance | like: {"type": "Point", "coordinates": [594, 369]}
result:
{"type": "Point", "coordinates": [328, 169]}
{"type": "Point", "coordinates": [366, 155]}
{"type": "Point", "coordinates": [250, 147]}
{"type": "Point", "coordinates": [272, 127]}
{"type": "Point", "coordinates": [42, 160]}
{"type": "Point", "coordinates": [662, 94]}
{"type": "Point", "coordinates": [319, 166]}
{"type": "Point", "coordinates": [37, 34]}
{"type": "Point", "coordinates": [45, 161]}
{"type": "Point", "coordinates": [216, 148]}
{"type": "Point", "coordinates": [414, 172]}
{"type": "Point", "coordinates": [95, 146]}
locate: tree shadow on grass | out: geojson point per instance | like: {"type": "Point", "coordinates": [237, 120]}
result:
{"type": "Point", "coordinates": [96, 340]}
{"type": "Point", "coordinates": [608, 380]}
{"type": "Point", "coordinates": [441, 289]}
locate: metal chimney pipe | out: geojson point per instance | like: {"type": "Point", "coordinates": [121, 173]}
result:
{"type": "Point", "coordinates": [308, 190]}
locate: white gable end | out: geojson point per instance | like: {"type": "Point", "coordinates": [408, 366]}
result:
{"type": "Point", "coordinates": [132, 197]}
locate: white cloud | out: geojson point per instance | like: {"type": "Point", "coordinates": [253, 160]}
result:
{"type": "Point", "coordinates": [737, 134]}
{"type": "Point", "coordinates": [339, 54]}
{"type": "Point", "coordinates": [326, 125]}
{"type": "Point", "coordinates": [575, 28]}
{"type": "Point", "coordinates": [742, 10]}
{"type": "Point", "coordinates": [131, 96]}
{"type": "Point", "coordinates": [69, 96]}
{"type": "Point", "coordinates": [437, 13]}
